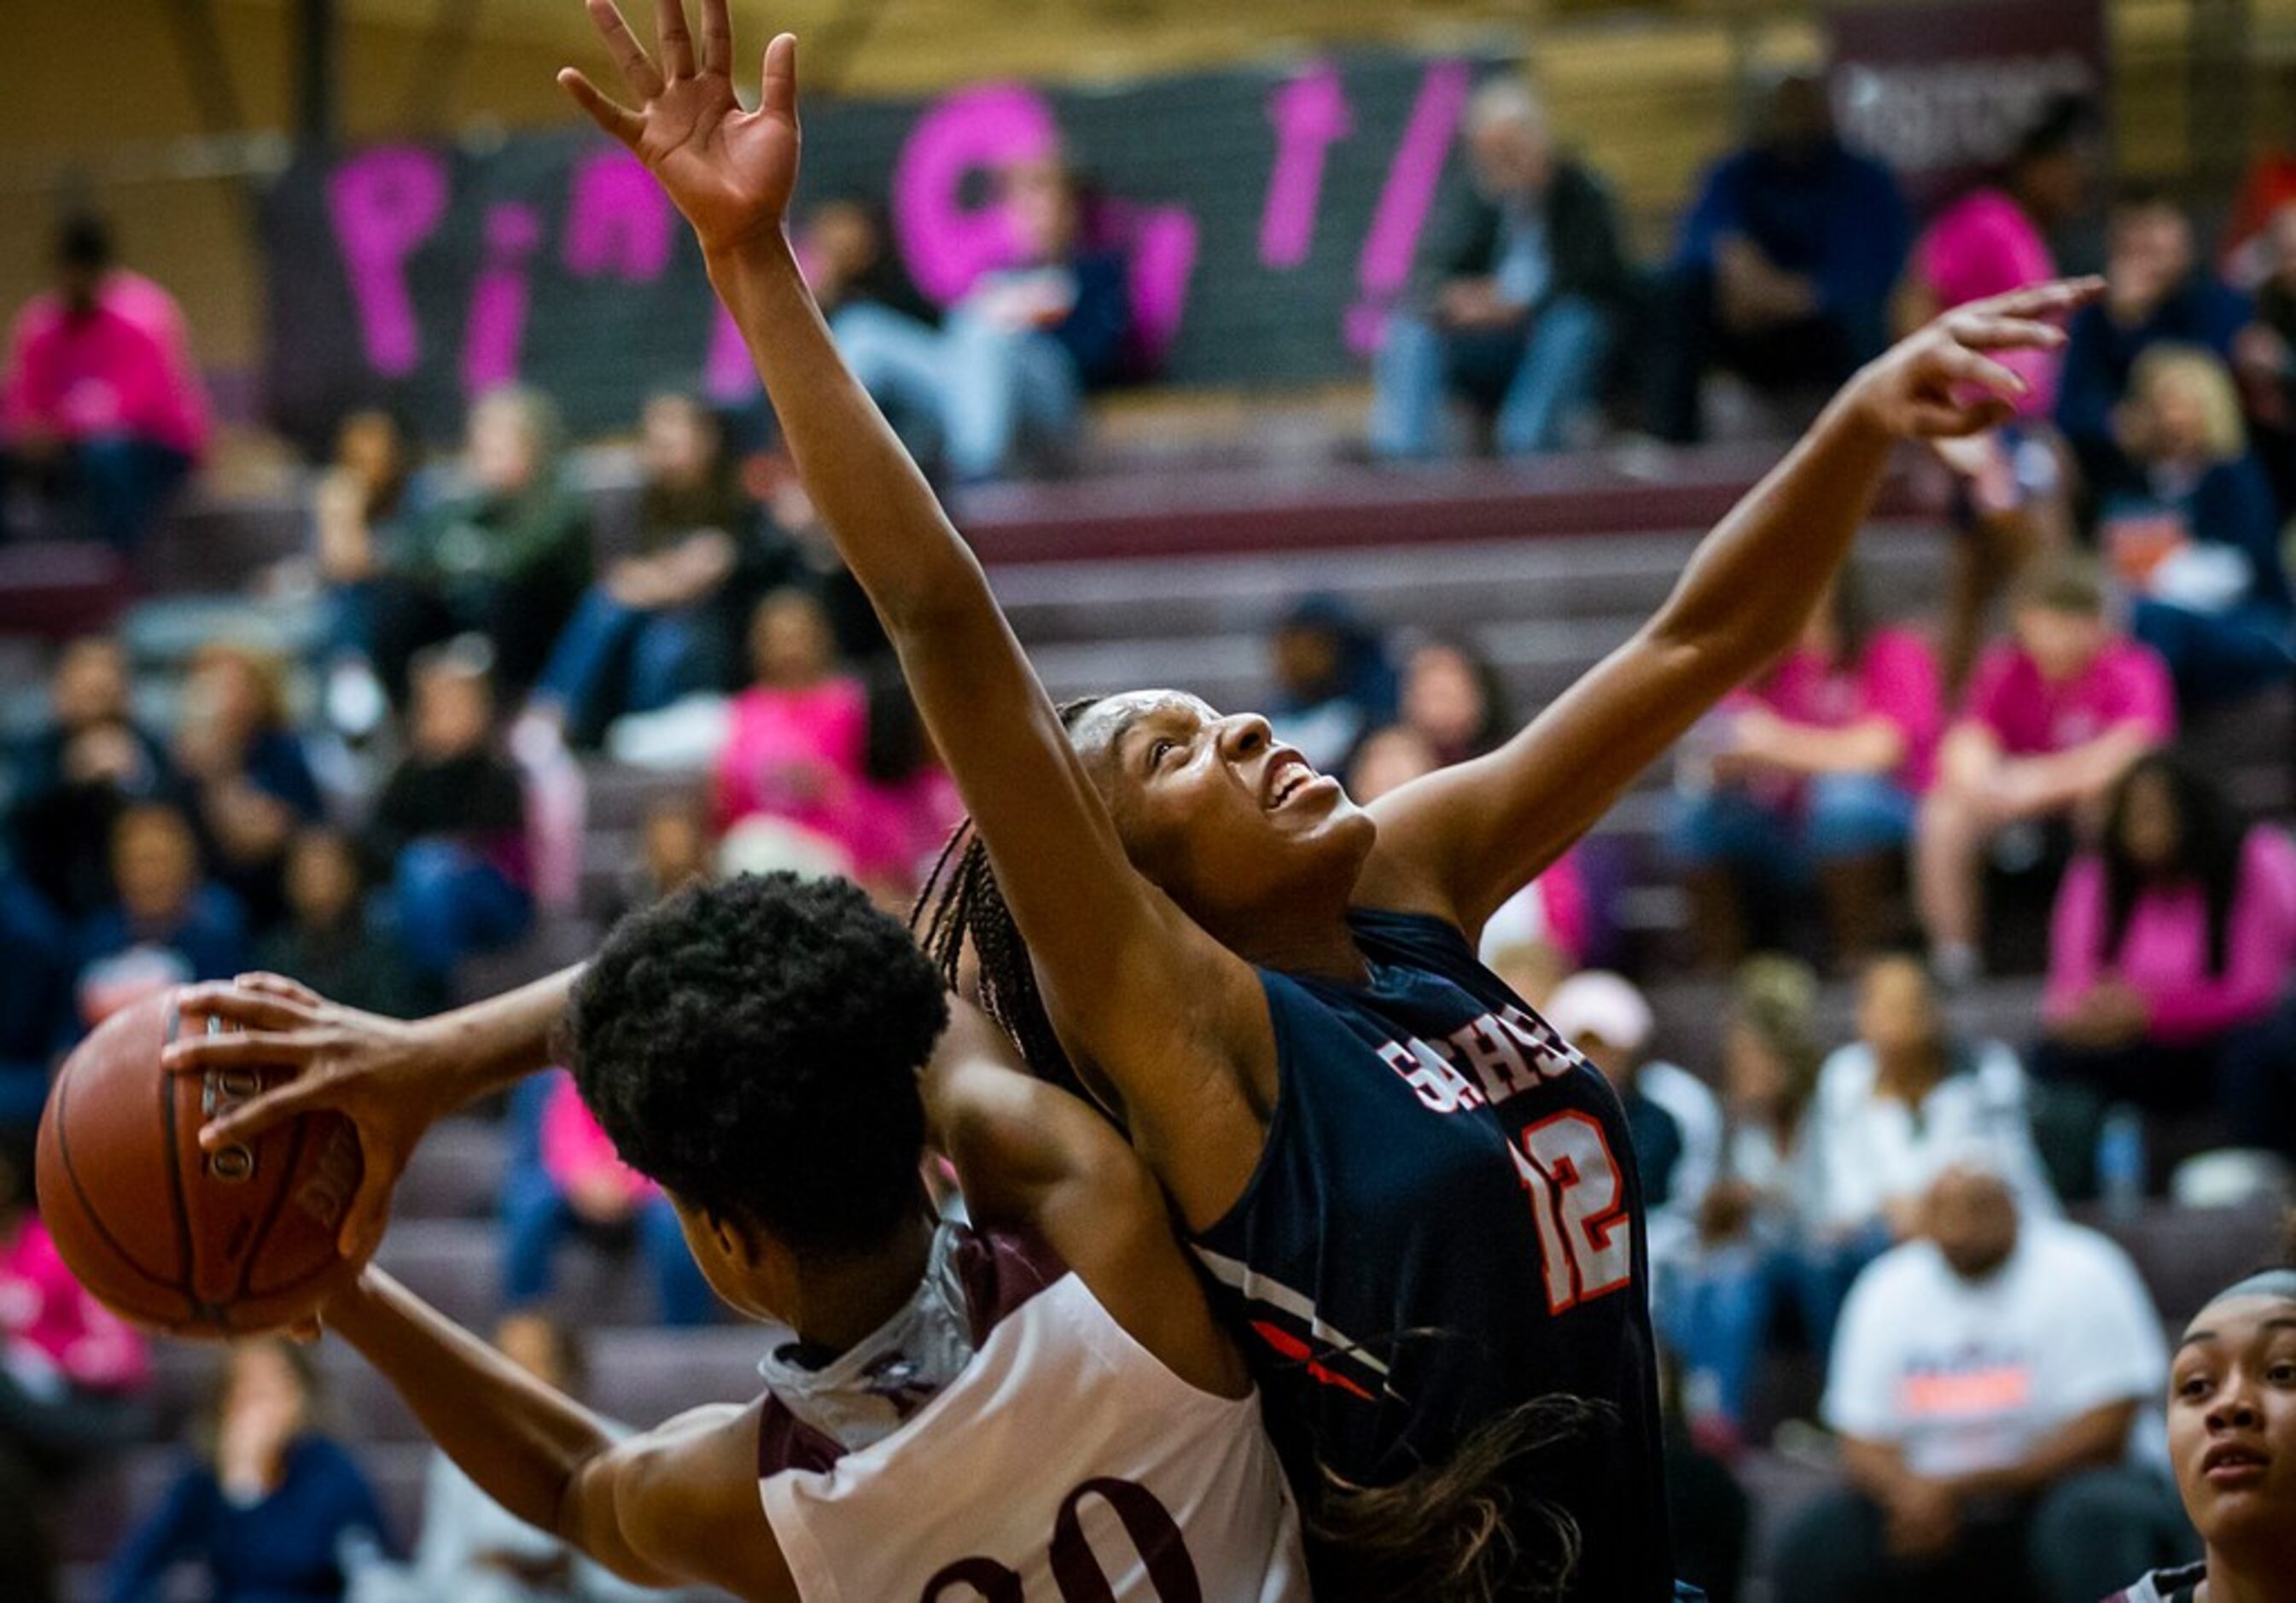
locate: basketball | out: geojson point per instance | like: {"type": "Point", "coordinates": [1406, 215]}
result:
{"type": "Point", "coordinates": [193, 1243]}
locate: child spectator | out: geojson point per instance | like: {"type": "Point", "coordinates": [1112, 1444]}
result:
{"type": "Point", "coordinates": [102, 404]}
{"type": "Point", "coordinates": [248, 783]}
{"type": "Point", "coordinates": [2170, 955]}
{"type": "Point", "coordinates": [800, 734]}
{"type": "Point", "coordinates": [1334, 683]}
{"type": "Point", "coordinates": [2192, 533]}
{"type": "Point", "coordinates": [1453, 699]}
{"type": "Point", "coordinates": [2051, 720]}
{"type": "Point", "coordinates": [76, 775]}
{"type": "Point", "coordinates": [654, 629]}
{"type": "Point", "coordinates": [329, 941]}
{"type": "Point", "coordinates": [507, 558]}
{"type": "Point", "coordinates": [452, 821]}
{"type": "Point", "coordinates": [565, 1179]}
{"type": "Point", "coordinates": [1755, 1254]}
{"type": "Point", "coordinates": [168, 920]}
{"type": "Point", "coordinates": [271, 1509]}
{"type": "Point", "coordinates": [1898, 1106]}
{"type": "Point", "coordinates": [1816, 772]}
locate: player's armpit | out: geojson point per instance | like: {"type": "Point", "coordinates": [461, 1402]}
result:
{"type": "Point", "coordinates": [679, 1505]}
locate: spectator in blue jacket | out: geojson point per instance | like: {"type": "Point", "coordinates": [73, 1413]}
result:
{"type": "Point", "coordinates": [1787, 262]}
{"type": "Point", "coordinates": [170, 923]}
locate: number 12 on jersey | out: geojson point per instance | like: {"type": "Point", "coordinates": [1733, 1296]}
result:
{"type": "Point", "coordinates": [1579, 1200]}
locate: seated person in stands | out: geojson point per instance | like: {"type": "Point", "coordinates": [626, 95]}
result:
{"type": "Point", "coordinates": [2170, 957]}
{"type": "Point", "coordinates": [2264, 355]}
{"type": "Point", "coordinates": [1788, 259]}
{"type": "Point", "coordinates": [2193, 533]}
{"type": "Point", "coordinates": [798, 735]}
{"type": "Point", "coordinates": [168, 919]}
{"type": "Point", "coordinates": [246, 779]}
{"type": "Point", "coordinates": [1454, 698]}
{"type": "Point", "coordinates": [1756, 1255]}
{"type": "Point", "coordinates": [505, 556]}
{"type": "Point", "coordinates": [1988, 1385]}
{"type": "Point", "coordinates": [1814, 771]}
{"type": "Point", "coordinates": [1005, 379]}
{"type": "Point", "coordinates": [1675, 1121]}
{"type": "Point", "coordinates": [330, 942]}
{"type": "Point", "coordinates": [77, 774]}
{"type": "Point", "coordinates": [361, 502]}
{"type": "Point", "coordinates": [472, 1549]}
{"type": "Point", "coordinates": [564, 1178]}
{"type": "Point", "coordinates": [1898, 1105]}
{"type": "Point", "coordinates": [2051, 720]}
{"type": "Point", "coordinates": [36, 1013]}
{"type": "Point", "coordinates": [2158, 290]}
{"type": "Point", "coordinates": [1517, 318]}
{"type": "Point", "coordinates": [654, 630]}
{"type": "Point", "coordinates": [71, 1379]}
{"type": "Point", "coordinates": [101, 405]}
{"type": "Point", "coordinates": [675, 851]}
{"type": "Point", "coordinates": [271, 1509]}
{"type": "Point", "coordinates": [1334, 685]}
{"type": "Point", "coordinates": [451, 821]}
{"type": "Point", "coordinates": [872, 306]}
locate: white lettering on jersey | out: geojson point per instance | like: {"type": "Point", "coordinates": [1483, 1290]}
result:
{"type": "Point", "coordinates": [1509, 1052]}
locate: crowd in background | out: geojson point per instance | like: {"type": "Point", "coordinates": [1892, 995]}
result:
{"type": "Point", "coordinates": [381, 814]}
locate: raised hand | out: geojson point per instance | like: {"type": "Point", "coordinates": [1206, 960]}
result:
{"type": "Point", "coordinates": [728, 170]}
{"type": "Point", "coordinates": [1940, 382]}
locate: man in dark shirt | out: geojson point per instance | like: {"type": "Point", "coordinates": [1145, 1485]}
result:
{"type": "Point", "coordinates": [1519, 319]}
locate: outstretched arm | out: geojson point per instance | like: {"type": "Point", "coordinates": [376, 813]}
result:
{"type": "Point", "coordinates": [1460, 842]}
{"type": "Point", "coordinates": [675, 1506]}
{"type": "Point", "coordinates": [1156, 1004]}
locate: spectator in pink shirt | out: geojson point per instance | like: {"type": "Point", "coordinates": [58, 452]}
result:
{"type": "Point", "coordinates": [101, 406]}
{"type": "Point", "coordinates": [797, 746]}
{"type": "Point", "coordinates": [1816, 772]}
{"type": "Point", "coordinates": [2170, 957]}
{"type": "Point", "coordinates": [2050, 722]}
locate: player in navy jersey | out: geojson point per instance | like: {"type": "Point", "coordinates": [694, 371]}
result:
{"type": "Point", "coordinates": [2231, 1438]}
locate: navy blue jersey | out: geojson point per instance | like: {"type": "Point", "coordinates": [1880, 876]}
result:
{"type": "Point", "coordinates": [1446, 1223]}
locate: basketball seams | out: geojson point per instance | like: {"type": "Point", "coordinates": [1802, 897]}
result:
{"type": "Point", "coordinates": [178, 1202]}
{"type": "Point", "coordinates": [87, 1210]}
{"type": "Point", "coordinates": [301, 1132]}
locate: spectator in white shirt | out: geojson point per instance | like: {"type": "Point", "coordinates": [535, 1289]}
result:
{"type": "Point", "coordinates": [1987, 1384]}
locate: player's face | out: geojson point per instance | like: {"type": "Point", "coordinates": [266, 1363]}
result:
{"type": "Point", "coordinates": [1222, 819]}
{"type": "Point", "coordinates": [2232, 1419]}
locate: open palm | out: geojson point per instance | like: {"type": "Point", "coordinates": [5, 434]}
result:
{"type": "Point", "coordinates": [728, 170]}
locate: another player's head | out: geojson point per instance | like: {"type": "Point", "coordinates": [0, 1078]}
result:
{"type": "Point", "coordinates": [2232, 1428]}
{"type": "Point", "coordinates": [2058, 613]}
{"type": "Point", "coordinates": [753, 1048]}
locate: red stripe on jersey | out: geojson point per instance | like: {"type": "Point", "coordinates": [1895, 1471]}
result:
{"type": "Point", "coordinates": [1291, 1347]}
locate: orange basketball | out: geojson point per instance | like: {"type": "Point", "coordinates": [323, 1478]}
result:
{"type": "Point", "coordinates": [194, 1243]}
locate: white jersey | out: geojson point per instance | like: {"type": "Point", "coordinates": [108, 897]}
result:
{"type": "Point", "coordinates": [1064, 1461]}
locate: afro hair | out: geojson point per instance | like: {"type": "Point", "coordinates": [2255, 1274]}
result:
{"type": "Point", "coordinates": [754, 1047]}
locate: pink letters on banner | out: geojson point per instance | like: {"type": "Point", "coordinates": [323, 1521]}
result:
{"type": "Point", "coordinates": [1163, 258]}
{"type": "Point", "coordinates": [1411, 180]}
{"type": "Point", "coordinates": [498, 300]}
{"type": "Point", "coordinates": [384, 205]}
{"type": "Point", "coordinates": [944, 244]}
{"type": "Point", "coordinates": [618, 220]}
{"type": "Point", "coordinates": [1310, 114]}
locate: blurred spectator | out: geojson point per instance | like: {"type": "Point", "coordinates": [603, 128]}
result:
{"type": "Point", "coordinates": [1756, 1254]}
{"type": "Point", "coordinates": [1333, 682]}
{"type": "Point", "coordinates": [451, 822]}
{"type": "Point", "coordinates": [2192, 533]}
{"type": "Point", "coordinates": [800, 733]}
{"type": "Point", "coordinates": [2264, 355]}
{"type": "Point", "coordinates": [1005, 378]}
{"type": "Point", "coordinates": [330, 942]}
{"type": "Point", "coordinates": [1541, 935]}
{"type": "Point", "coordinates": [472, 1551]}
{"type": "Point", "coordinates": [1901, 1103]}
{"type": "Point", "coordinates": [2266, 191]}
{"type": "Point", "coordinates": [565, 1179]}
{"type": "Point", "coordinates": [2157, 289]}
{"type": "Point", "coordinates": [271, 1509]}
{"type": "Point", "coordinates": [36, 999]}
{"type": "Point", "coordinates": [655, 629]}
{"type": "Point", "coordinates": [168, 919]}
{"type": "Point", "coordinates": [2170, 957]}
{"type": "Point", "coordinates": [1710, 1513]}
{"type": "Point", "coordinates": [2052, 720]}
{"type": "Point", "coordinates": [874, 312]}
{"type": "Point", "coordinates": [247, 781]}
{"type": "Point", "coordinates": [1517, 317]}
{"type": "Point", "coordinates": [70, 1379]}
{"type": "Point", "coordinates": [1989, 1383]}
{"type": "Point", "coordinates": [907, 807]}
{"type": "Point", "coordinates": [1387, 760]}
{"type": "Point", "coordinates": [1814, 770]}
{"type": "Point", "coordinates": [103, 405]}
{"type": "Point", "coordinates": [508, 556]}
{"type": "Point", "coordinates": [1676, 1122]}
{"type": "Point", "coordinates": [674, 852]}
{"type": "Point", "coordinates": [76, 776]}
{"type": "Point", "coordinates": [360, 505]}
{"type": "Point", "coordinates": [1454, 698]}
{"type": "Point", "coordinates": [1788, 259]}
